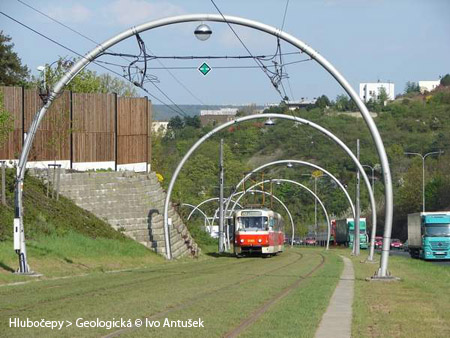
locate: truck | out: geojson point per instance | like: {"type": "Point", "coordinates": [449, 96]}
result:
{"type": "Point", "coordinates": [429, 235]}
{"type": "Point", "coordinates": [345, 229]}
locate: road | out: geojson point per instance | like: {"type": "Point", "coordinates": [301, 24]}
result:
{"type": "Point", "coordinates": [405, 254]}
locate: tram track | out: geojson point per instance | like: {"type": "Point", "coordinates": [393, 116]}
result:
{"type": "Point", "coordinates": [165, 273]}
{"type": "Point", "coordinates": [198, 297]}
{"type": "Point", "coordinates": [255, 315]}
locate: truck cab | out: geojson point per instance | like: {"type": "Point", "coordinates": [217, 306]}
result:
{"type": "Point", "coordinates": [363, 238]}
{"type": "Point", "coordinates": [429, 235]}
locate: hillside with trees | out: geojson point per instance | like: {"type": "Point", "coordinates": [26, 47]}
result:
{"type": "Point", "coordinates": [412, 123]}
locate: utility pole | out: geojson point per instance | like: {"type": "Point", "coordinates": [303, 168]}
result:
{"type": "Point", "coordinates": [356, 245]}
{"type": "Point", "coordinates": [315, 207]}
{"type": "Point", "coordinates": [221, 183]}
{"type": "Point", "coordinates": [374, 225]}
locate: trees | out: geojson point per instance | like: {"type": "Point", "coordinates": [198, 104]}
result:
{"type": "Point", "coordinates": [412, 87]}
{"type": "Point", "coordinates": [445, 81]}
{"type": "Point", "coordinates": [12, 72]}
{"type": "Point", "coordinates": [86, 81]}
{"type": "Point", "coordinates": [6, 122]}
{"type": "Point", "coordinates": [323, 102]}
{"type": "Point", "coordinates": [344, 103]}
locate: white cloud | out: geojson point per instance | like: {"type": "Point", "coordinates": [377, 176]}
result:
{"type": "Point", "coordinates": [75, 14]}
{"type": "Point", "coordinates": [134, 12]}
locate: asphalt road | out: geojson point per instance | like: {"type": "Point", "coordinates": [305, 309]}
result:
{"type": "Point", "coordinates": [395, 252]}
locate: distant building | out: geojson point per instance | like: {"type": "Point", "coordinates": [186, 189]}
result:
{"type": "Point", "coordinates": [371, 91]}
{"type": "Point", "coordinates": [303, 103]}
{"type": "Point", "coordinates": [293, 105]}
{"type": "Point", "coordinates": [428, 86]}
{"type": "Point", "coordinates": [160, 127]}
{"type": "Point", "coordinates": [217, 116]}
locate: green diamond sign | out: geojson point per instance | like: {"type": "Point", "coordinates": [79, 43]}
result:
{"type": "Point", "coordinates": [204, 68]}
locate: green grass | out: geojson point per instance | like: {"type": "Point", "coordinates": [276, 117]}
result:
{"type": "Point", "coordinates": [416, 306]}
{"type": "Point", "coordinates": [74, 254]}
{"type": "Point", "coordinates": [222, 291]}
{"type": "Point", "coordinates": [63, 239]}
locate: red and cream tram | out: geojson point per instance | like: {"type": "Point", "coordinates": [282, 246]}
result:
{"type": "Point", "coordinates": [258, 231]}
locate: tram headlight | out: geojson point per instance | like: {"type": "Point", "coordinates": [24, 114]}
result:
{"type": "Point", "coordinates": [260, 240]}
{"type": "Point", "coordinates": [242, 240]}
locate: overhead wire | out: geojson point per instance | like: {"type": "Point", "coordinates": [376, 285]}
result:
{"type": "Point", "coordinates": [150, 79]}
{"type": "Point", "coordinates": [181, 112]}
{"type": "Point", "coordinates": [281, 59]}
{"type": "Point", "coordinates": [215, 67]}
{"type": "Point", "coordinates": [259, 63]}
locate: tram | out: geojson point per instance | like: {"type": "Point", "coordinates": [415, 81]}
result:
{"type": "Point", "coordinates": [258, 231]}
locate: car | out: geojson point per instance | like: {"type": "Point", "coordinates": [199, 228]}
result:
{"type": "Point", "coordinates": [396, 244]}
{"type": "Point", "coordinates": [378, 242]}
{"type": "Point", "coordinates": [310, 241]}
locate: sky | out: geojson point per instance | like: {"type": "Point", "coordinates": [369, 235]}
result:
{"type": "Point", "coordinates": [366, 40]}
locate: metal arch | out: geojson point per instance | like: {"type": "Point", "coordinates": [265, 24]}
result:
{"type": "Point", "coordinates": [277, 199]}
{"type": "Point", "coordinates": [196, 208]}
{"type": "Point", "coordinates": [298, 162]}
{"type": "Point", "coordinates": [92, 55]}
{"type": "Point", "coordinates": [307, 189]}
{"type": "Point", "coordinates": [200, 204]}
{"type": "Point", "coordinates": [263, 116]}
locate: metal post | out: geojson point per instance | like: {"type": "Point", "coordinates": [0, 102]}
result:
{"type": "Point", "coordinates": [374, 224]}
{"type": "Point", "coordinates": [221, 223]}
{"type": "Point", "coordinates": [315, 208]}
{"type": "Point", "coordinates": [58, 180]}
{"type": "Point", "coordinates": [423, 184]}
{"type": "Point", "coordinates": [3, 183]}
{"type": "Point", "coordinates": [356, 238]}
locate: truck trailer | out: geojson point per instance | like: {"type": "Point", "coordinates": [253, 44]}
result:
{"type": "Point", "coordinates": [345, 229]}
{"type": "Point", "coordinates": [429, 235]}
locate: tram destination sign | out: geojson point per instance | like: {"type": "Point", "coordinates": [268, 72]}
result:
{"type": "Point", "coordinates": [251, 213]}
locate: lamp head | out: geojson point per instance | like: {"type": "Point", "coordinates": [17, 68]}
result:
{"type": "Point", "coordinates": [269, 122]}
{"type": "Point", "coordinates": [203, 32]}
{"type": "Point", "coordinates": [40, 68]}
{"type": "Point", "coordinates": [289, 165]}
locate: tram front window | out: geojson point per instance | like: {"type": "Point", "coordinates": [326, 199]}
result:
{"type": "Point", "coordinates": [258, 223]}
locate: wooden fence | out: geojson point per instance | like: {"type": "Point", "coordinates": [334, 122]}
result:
{"type": "Point", "coordinates": [80, 127]}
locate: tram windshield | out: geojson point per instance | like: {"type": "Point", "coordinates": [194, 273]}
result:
{"type": "Point", "coordinates": [252, 223]}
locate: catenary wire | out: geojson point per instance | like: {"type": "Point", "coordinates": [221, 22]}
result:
{"type": "Point", "coordinates": [181, 112]}
{"type": "Point", "coordinates": [95, 42]}
{"type": "Point", "coordinates": [259, 63]}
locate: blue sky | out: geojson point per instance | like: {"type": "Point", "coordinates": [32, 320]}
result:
{"type": "Point", "coordinates": [366, 40]}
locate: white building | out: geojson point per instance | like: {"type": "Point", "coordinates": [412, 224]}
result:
{"type": "Point", "coordinates": [221, 111]}
{"type": "Point", "coordinates": [371, 91]}
{"type": "Point", "coordinates": [160, 127]}
{"type": "Point", "coordinates": [428, 86]}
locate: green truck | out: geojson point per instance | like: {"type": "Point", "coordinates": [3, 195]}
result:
{"type": "Point", "coordinates": [345, 231]}
{"type": "Point", "coordinates": [429, 235]}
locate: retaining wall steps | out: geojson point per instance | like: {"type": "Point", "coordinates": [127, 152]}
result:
{"type": "Point", "coordinates": [132, 203]}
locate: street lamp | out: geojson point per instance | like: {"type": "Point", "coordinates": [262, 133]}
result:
{"type": "Point", "coordinates": [42, 69]}
{"type": "Point", "coordinates": [203, 32]}
{"type": "Point", "coordinates": [269, 122]}
{"type": "Point", "coordinates": [423, 157]}
{"type": "Point", "coordinates": [289, 165]}
{"type": "Point", "coordinates": [373, 173]}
